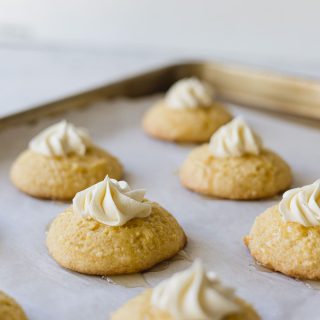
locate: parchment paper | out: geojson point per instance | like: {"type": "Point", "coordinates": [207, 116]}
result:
{"type": "Point", "coordinates": [215, 228]}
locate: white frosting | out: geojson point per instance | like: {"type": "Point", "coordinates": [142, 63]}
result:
{"type": "Point", "coordinates": [194, 295]}
{"type": "Point", "coordinates": [189, 93]}
{"type": "Point", "coordinates": [234, 139]}
{"type": "Point", "coordinates": [302, 205]}
{"type": "Point", "coordinates": [112, 202]}
{"type": "Point", "coordinates": [60, 140]}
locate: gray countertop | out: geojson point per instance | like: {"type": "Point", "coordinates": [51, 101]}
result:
{"type": "Point", "coordinates": [30, 76]}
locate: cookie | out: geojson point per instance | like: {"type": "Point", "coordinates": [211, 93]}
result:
{"type": "Point", "coordinates": [239, 178]}
{"type": "Point", "coordinates": [184, 125]}
{"type": "Point", "coordinates": [235, 165]}
{"type": "Point", "coordinates": [190, 294]}
{"type": "Point", "coordinates": [61, 178]}
{"type": "Point", "coordinates": [60, 161]}
{"type": "Point", "coordinates": [140, 308]}
{"type": "Point", "coordinates": [88, 246]}
{"type": "Point", "coordinates": [188, 113]}
{"type": "Point", "coordinates": [9, 309]}
{"type": "Point", "coordinates": [286, 237]}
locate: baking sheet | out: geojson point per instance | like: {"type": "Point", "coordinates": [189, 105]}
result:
{"type": "Point", "coordinates": [215, 228]}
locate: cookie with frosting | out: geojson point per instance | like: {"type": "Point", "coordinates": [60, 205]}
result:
{"type": "Point", "coordinates": [9, 309]}
{"type": "Point", "coordinates": [188, 113]}
{"type": "Point", "coordinates": [235, 165]}
{"type": "Point", "coordinates": [286, 237]}
{"type": "Point", "coordinates": [61, 161]}
{"type": "Point", "coordinates": [112, 229]}
{"type": "Point", "coordinates": [192, 294]}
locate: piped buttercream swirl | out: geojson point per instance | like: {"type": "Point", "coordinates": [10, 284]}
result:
{"type": "Point", "coordinates": [234, 139]}
{"type": "Point", "coordinates": [189, 93]}
{"type": "Point", "coordinates": [302, 205]}
{"type": "Point", "coordinates": [60, 140]}
{"type": "Point", "coordinates": [194, 295]}
{"type": "Point", "coordinates": [112, 202]}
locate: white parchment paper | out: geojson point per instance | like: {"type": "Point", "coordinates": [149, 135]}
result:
{"type": "Point", "coordinates": [215, 228]}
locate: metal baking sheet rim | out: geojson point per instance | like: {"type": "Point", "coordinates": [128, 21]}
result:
{"type": "Point", "coordinates": [293, 97]}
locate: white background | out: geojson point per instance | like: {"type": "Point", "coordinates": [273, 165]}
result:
{"type": "Point", "coordinates": [287, 29]}
{"type": "Point", "coordinates": [52, 48]}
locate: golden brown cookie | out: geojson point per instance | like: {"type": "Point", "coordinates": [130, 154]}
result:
{"type": "Point", "coordinates": [287, 247]}
{"type": "Point", "coordinates": [87, 246]}
{"type": "Point", "coordinates": [241, 178]}
{"type": "Point", "coordinates": [184, 125]}
{"type": "Point", "coordinates": [62, 177]}
{"type": "Point", "coordinates": [9, 309]}
{"type": "Point", "coordinates": [140, 308]}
